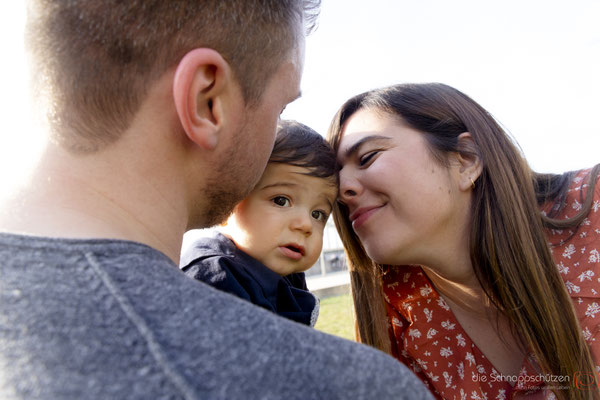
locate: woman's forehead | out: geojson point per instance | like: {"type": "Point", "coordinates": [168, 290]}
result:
{"type": "Point", "coordinates": [362, 127]}
{"type": "Point", "coordinates": [365, 119]}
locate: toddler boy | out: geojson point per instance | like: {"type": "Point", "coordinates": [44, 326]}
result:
{"type": "Point", "coordinates": [276, 232]}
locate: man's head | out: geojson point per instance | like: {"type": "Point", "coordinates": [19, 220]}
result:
{"type": "Point", "coordinates": [197, 86]}
{"type": "Point", "coordinates": [95, 60]}
{"type": "Point", "coordinates": [281, 222]}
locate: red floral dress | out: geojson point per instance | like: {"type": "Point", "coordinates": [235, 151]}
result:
{"type": "Point", "coordinates": [427, 337]}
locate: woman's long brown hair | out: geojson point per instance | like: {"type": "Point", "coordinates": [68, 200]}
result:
{"type": "Point", "coordinates": [508, 247]}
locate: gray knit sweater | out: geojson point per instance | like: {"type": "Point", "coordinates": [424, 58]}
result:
{"type": "Point", "coordinates": [109, 319]}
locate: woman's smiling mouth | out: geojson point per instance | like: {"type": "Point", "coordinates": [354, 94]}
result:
{"type": "Point", "coordinates": [360, 216]}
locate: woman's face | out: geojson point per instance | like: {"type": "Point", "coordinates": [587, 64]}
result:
{"type": "Point", "coordinates": [404, 206]}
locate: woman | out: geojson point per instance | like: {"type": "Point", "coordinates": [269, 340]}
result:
{"type": "Point", "coordinates": [448, 251]}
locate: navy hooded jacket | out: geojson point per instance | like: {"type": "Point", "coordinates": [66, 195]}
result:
{"type": "Point", "coordinates": [218, 262]}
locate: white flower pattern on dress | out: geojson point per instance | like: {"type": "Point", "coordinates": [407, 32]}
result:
{"type": "Point", "coordinates": [428, 314]}
{"type": "Point", "coordinates": [446, 352]}
{"type": "Point", "coordinates": [447, 378]}
{"type": "Point", "coordinates": [569, 251]}
{"type": "Point", "coordinates": [469, 357]}
{"type": "Point", "coordinates": [397, 322]}
{"type": "Point", "coordinates": [461, 370]}
{"type": "Point", "coordinates": [592, 310]}
{"type": "Point", "coordinates": [562, 268]}
{"type": "Point", "coordinates": [430, 340]}
{"type": "Point", "coordinates": [594, 257]}
{"type": "Point", "coordinates": [476, 396]}
{"type": "Point", "coordinates": [448, 325]}
{"type": "Point", "coordinates": [571, 287]}
{"type": "Point", "coordinates": [414, 333]}
{"type": "Point", "coordinates": [442, 303]}
{"type": "Point", "coordinates": [587, 275]}
{"type": "Point", "coordinates": [587, 335]}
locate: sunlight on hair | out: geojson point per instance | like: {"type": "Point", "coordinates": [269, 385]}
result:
{"type": "Point", "coordinates": [543, 87]}
{"type": "Point", "coordinates": [20, 140]}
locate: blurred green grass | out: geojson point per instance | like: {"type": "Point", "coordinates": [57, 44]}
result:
{"type": "Point", "coordinates": [335, 316]}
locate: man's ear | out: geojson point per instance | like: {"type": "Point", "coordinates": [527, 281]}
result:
{"type": "Point", "coordinates": [200, 79]}
{"type": "Point", "coordinates": [470, 165]}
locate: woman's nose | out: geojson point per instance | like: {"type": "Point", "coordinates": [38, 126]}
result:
{"type": "Point", "coordinates": [349, 186]}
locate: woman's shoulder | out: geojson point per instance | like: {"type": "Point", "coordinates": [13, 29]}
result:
{"type": "Point", "coordinates": [576, 250]}
{"type": "Point", "coordinates": [577, 187]}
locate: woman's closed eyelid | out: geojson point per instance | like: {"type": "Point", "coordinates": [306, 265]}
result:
{"type": "Point", "coordinates": [366, 157]}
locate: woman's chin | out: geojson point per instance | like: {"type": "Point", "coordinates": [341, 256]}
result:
{"type": "Point", "coordinates": [379, 256]}
{"type": "Point", "coordinates": [385, 255]}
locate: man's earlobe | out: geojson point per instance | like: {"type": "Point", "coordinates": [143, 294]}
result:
{"type": "Point", "coordinates": [200, 78]}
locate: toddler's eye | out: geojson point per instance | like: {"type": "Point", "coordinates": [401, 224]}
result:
{"type": "Point", "coordinates": [281, 201]}
{"type": "Point", "coordinates": [319, 215]}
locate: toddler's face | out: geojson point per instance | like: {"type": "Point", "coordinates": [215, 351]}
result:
{"type": "Point", "coordinates": [281, 222]}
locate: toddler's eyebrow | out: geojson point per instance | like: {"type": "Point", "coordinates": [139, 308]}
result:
{"type": "Point", "coordinates": [277, 184]}
{"type": "Point", "coordinates": [356, 146]}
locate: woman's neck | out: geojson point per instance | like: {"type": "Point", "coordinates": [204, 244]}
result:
{"type": "Point", "coordinates": [480, 319]}
{"type": "Point", "coordinates": [464, 292]}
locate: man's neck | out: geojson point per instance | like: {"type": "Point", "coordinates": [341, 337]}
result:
{"type": "Point", "coordinates": [93, 196]}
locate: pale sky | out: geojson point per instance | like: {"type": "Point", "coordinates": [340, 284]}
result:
{"type": "Point", "coordinates": [535, 65]}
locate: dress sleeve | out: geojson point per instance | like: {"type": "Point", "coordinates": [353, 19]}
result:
{"type": "Point", "coordinates": [576, 252]}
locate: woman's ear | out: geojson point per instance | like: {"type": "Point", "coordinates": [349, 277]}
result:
{"type": "Point", "coordinates": [199, 83]}
{"type": "Point", "coordinates": [470, 165]}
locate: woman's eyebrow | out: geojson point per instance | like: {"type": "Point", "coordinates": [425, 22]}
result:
{"type": "Point", "coordinates": [356, 146]}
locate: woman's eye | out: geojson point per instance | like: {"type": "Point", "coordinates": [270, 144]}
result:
{"type": "Point", "coordinates": [281, 201]}
{"type": "Point", "coordinates": [366, 158]}
{"type": "Point", "coordinates": [320, 215]}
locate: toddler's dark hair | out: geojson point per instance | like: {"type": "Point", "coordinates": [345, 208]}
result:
{"type": "Point", "coordinates": [297, 144]}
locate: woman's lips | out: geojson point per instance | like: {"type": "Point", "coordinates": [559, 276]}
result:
{"type": "Point", "coordinates": [360, 216]}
